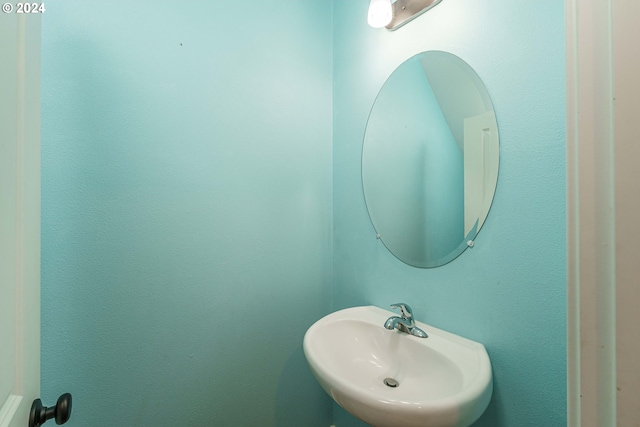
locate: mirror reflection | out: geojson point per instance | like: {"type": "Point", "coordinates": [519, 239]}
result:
{"type": "Point", "coordinates": [430, 159]}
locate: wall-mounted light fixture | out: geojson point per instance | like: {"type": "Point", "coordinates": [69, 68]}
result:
{"type": "Point", "coordinates": [384, 13]}
{"type": "Point", "coordinates": [380, 13]}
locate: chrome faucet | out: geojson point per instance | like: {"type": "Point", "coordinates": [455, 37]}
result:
{"type": "Point", "coordinates": [404, 322]}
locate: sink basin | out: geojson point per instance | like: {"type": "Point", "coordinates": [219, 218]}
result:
{"type": "Point", "coordinates": [392, 379]}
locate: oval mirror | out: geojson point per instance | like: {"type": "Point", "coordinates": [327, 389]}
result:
{"type": "Point", "coordinates": [430, 159]}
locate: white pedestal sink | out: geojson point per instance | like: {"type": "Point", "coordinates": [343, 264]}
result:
{"type": "Point", "coordinates": [392, 379]}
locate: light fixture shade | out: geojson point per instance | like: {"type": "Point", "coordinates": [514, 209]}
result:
{"type": "Point", "coordinates": [380, 13]}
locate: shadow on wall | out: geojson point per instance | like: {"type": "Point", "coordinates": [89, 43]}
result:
{"type": "Point", "coordinates": [492, 416]}
{"type": "Point", "coordinates": [292, 409]}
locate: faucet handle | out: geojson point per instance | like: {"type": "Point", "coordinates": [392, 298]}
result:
{"type": "Point", "coordinates": [404, 309]}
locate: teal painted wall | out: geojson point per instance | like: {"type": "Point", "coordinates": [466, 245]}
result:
{"type": "Point", "coordinates": [186, 210]}
{"type": "Point", "coordinates": [193, 209]}
{"type": "Point", "coordinates": [508, 292]}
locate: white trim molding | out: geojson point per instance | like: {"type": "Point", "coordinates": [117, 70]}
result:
{"type": "Point", "coordinates": [590, 215]}
{"type": "Point", "coordinates": [603, 207]}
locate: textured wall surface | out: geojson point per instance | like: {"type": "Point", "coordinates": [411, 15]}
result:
{"type": "Point", "coordinates": [508, 292]}
{"type": "Point", "coordinates": [186, 215]}
{"type": "Point", "coordinates": [187, 206]}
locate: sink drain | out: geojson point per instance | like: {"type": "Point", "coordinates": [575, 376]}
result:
{"type": "Point", "coordinates": [390, 382]}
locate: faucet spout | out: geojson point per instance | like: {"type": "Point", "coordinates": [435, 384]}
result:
{"type": "Point", "coordinates": [396, 322]}
{"type": "Point", "coordinates": [404, 323]}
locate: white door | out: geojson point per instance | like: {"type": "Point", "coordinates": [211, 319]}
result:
{"type": "Point", "coordinates": [480, 174]}
{"type": "Point", "coordinates": [19, 216]}
{"type": "Point", "coordinates": [626, 64]}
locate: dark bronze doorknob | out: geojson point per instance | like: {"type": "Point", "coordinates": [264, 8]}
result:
{"type": "Point", "coordinates": [40, 414]}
